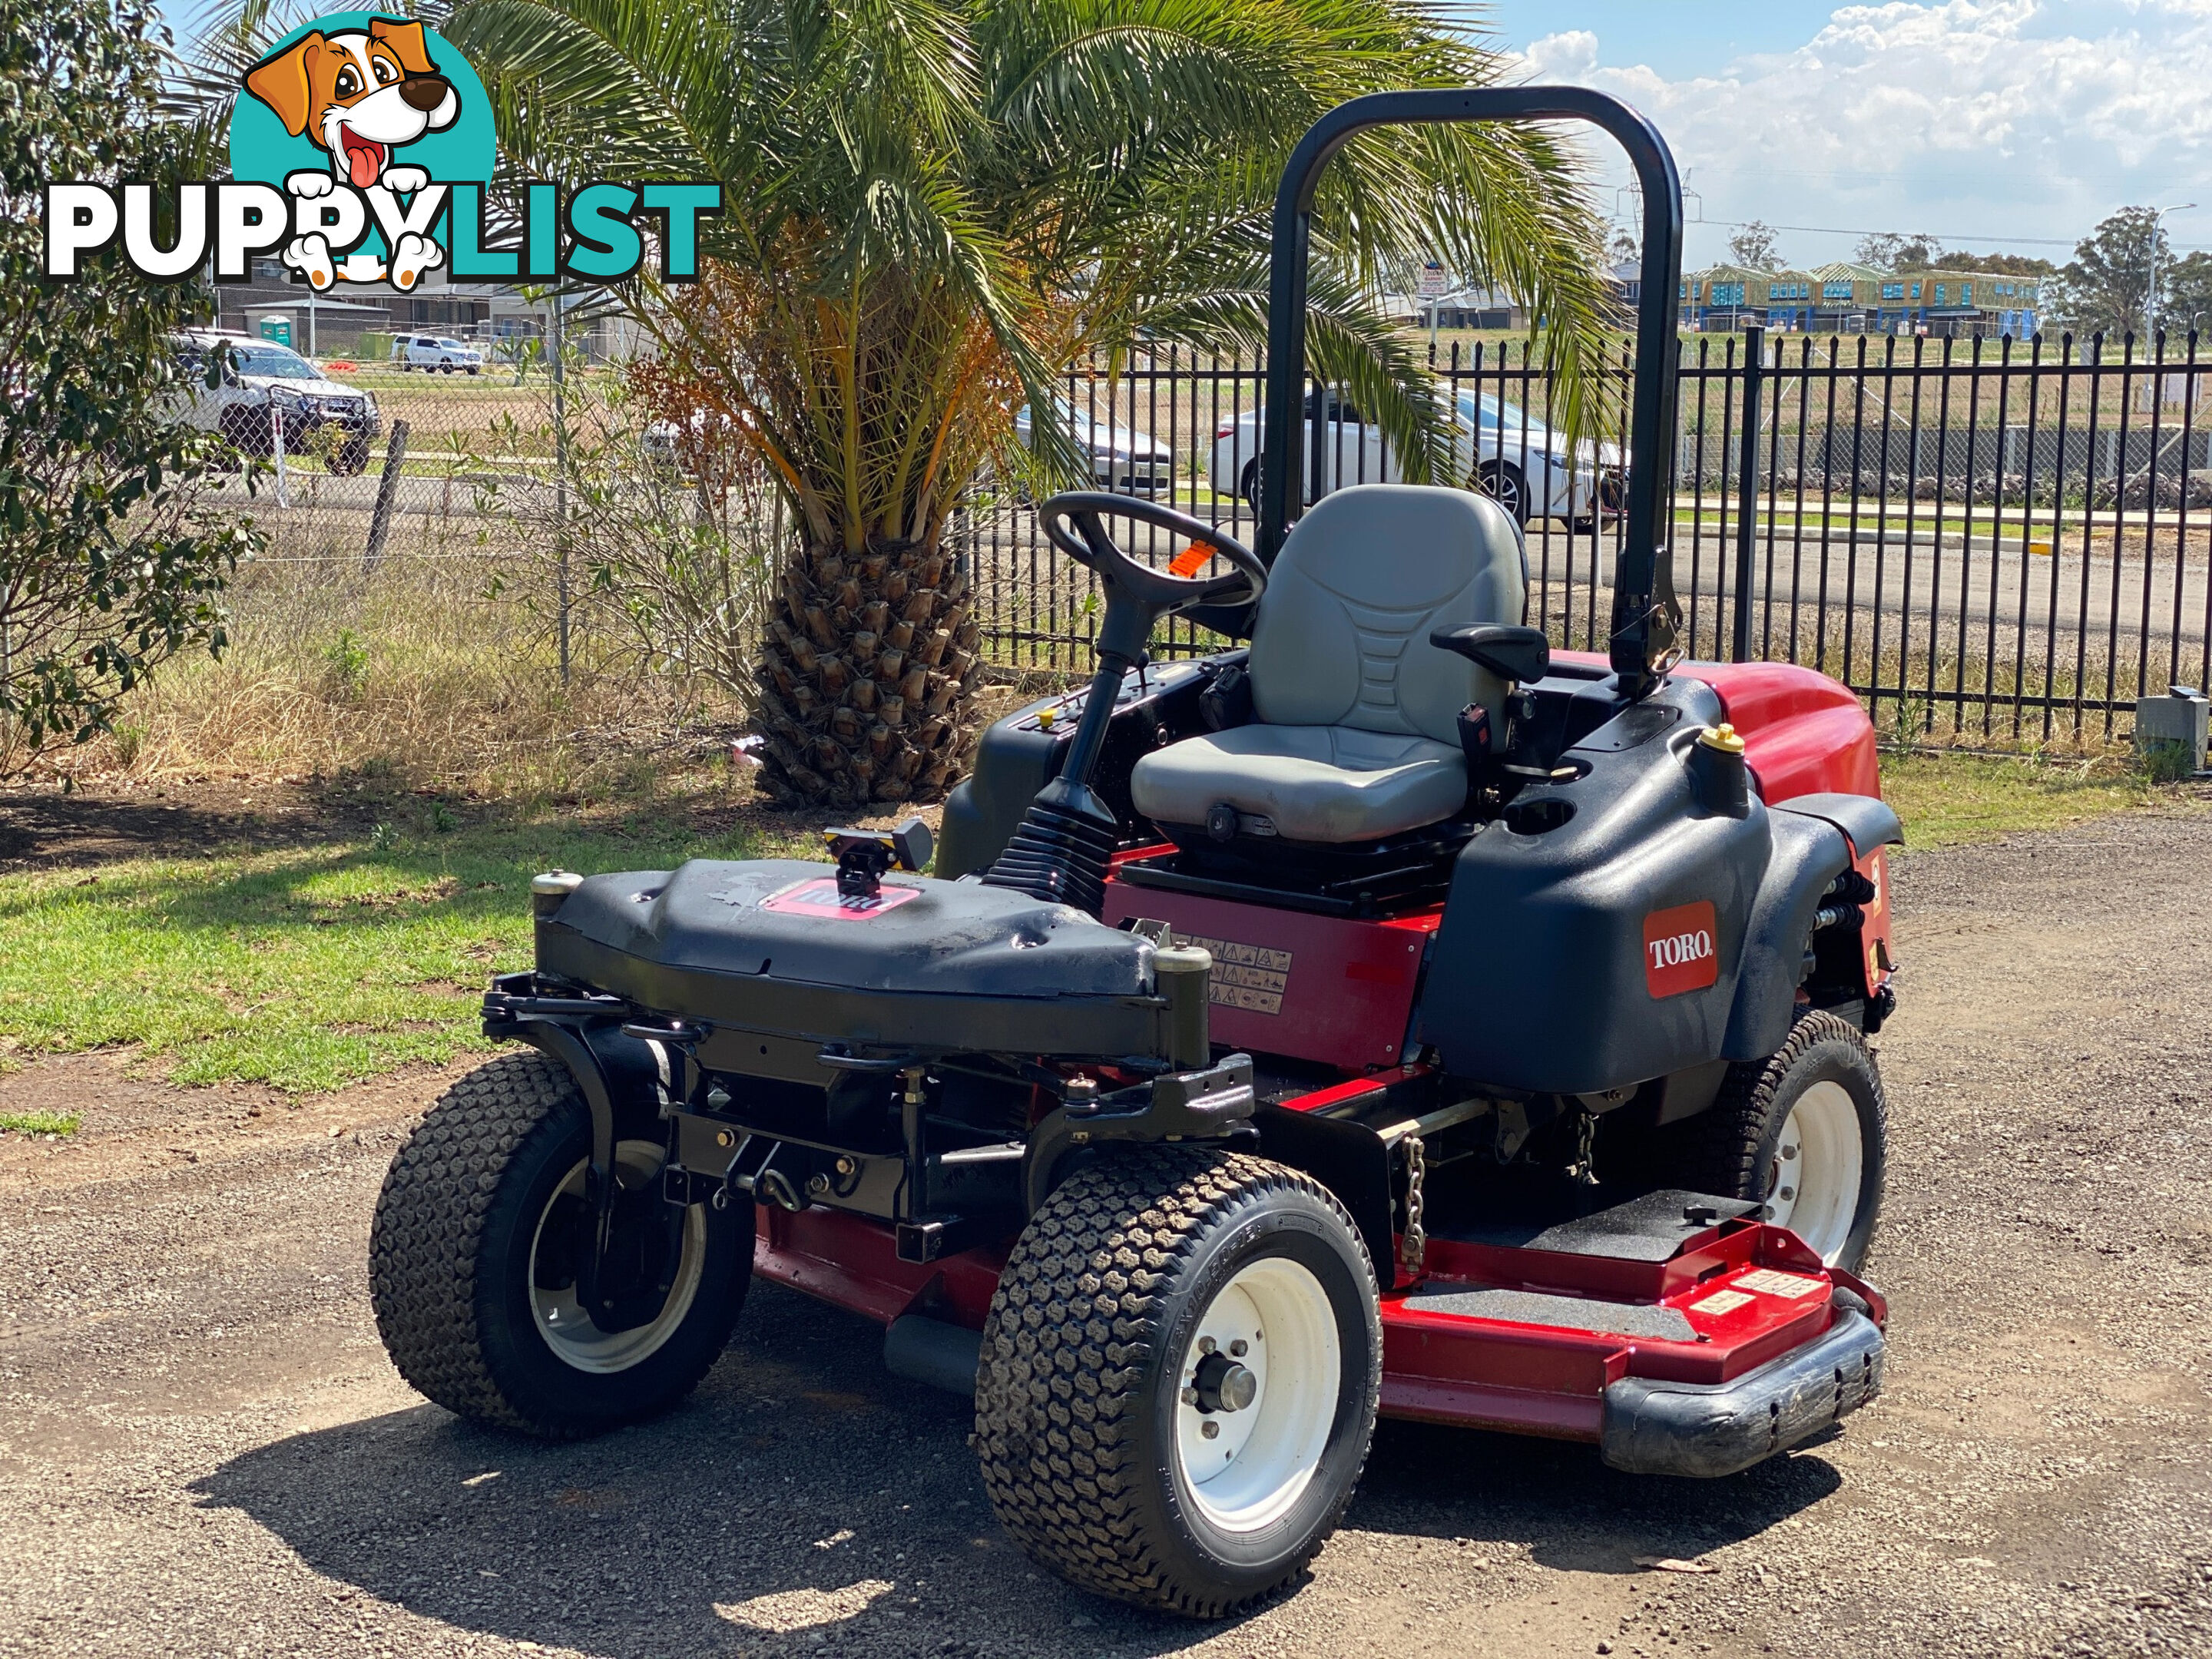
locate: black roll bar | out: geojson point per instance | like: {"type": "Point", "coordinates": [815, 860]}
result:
{"type": "Point", "coordinates": [1646, 616]}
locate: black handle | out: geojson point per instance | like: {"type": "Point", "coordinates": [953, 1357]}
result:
{"type": "Point", "coordinates": [1506, 649]}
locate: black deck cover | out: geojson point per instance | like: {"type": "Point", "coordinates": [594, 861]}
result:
{"type": "Point", "coordinates": [761, 943]}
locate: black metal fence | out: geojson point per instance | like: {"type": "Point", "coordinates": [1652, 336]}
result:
{"type": "Point", "coordinates": [1987, 539]}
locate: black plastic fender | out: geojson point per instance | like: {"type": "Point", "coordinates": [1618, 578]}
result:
{"type": "Point", "coordinates": [1808, 854]}
{"type": "Point", "coordinates": [1869, 822]}
{"type": "Point", "coordinates": [1540, 980]}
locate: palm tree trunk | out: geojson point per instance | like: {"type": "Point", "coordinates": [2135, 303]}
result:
{"type": "Point", "coordinates": [866, 666]}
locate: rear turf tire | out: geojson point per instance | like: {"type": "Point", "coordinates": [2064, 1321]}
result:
{"type": "Point", "coordinates": [1803, 1132]}
{"type": "Point", "coordinates": [1090, 1413]}
{"type": "Point", "coordinates": [468, 1262]}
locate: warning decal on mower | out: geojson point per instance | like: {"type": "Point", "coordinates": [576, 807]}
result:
{"type": "Point", "coordinates": [1769, 1282]}
{"type": "Point", "coordinates": [1679, 952]}
{"type": "Point", "coordinates": [821, 898]}
{"type": "Point", "coordinates": [1249, 976]}
{"type": "Point", "coordinates": [1722, 1302]}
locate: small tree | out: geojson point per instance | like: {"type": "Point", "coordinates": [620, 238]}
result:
{"type": "Point", "coordinates": [2001, 265]}
{"type": "Point", "coordinates": [1755, 247]}
{"type": "Point", "coordinates": [107, 564]}
{"type": "Point", "coordinates": [2188, 303]}
{"type": "Point", "coordinates": [2105, 288]}
{"type": "Point", "coordinates": [1890, 251]}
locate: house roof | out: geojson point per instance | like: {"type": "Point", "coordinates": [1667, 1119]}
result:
{"type": "Point", "coordinates": [323, 308]}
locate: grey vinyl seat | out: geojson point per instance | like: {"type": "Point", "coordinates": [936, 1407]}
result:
{"type": "Point", "coordinates": [1356, 729]}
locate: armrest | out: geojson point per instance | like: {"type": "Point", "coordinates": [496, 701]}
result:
{"type": "Point", "coordinates": [1519, 654]}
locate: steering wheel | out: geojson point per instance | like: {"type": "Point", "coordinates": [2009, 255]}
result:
{"type": "Point", "coordinates": [1160, 592]}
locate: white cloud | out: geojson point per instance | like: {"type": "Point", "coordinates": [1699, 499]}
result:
{"type": "Point", "coordinates": [1974, 119]}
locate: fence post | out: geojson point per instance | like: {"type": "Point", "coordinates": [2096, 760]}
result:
{"type": "Point", "coordinates": [276, 446]}
{"type": "Point", "coordinates": [560, 476]}
{"type": "Point", "coordinates": [387, 486]}
{"type": "Point", "coordinates": [1747, 484]}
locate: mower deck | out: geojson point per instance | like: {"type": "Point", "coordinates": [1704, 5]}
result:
{"type": "Point", "coordinates": [1679, 1347]}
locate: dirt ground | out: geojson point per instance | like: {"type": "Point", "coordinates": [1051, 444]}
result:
{"type": "Point", "coordinates": [204, 1451]}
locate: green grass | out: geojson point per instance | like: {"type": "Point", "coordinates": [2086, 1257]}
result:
{"type": "Point", "coordinates": [305, 967]}
{"type": "Point", "coordinates": [1952, 801]}
{"type": "Point", "coordinates": [310, 966]}
{"type": "Point", "coordinates": [40, 1123]}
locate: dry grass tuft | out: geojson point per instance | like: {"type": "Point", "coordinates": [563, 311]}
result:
{"type": "Point", "coordinates": [438, 668]}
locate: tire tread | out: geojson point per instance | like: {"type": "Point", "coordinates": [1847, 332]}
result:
{"type": "Point", "coordinates": [1722, 1142]}
{"type": "Point", "coordinates": [428, 1269]}
{"type": "Point", "coordinates": [1079, 1309]}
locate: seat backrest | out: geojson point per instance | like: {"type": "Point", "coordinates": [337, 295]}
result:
{"type": "Point", "coordinates": [1342, 634]}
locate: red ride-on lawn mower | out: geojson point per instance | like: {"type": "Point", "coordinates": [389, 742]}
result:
{"type": "Point", "coordinates": [1395, 1016]}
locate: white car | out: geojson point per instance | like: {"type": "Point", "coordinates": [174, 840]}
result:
{"type": "Point", "coordinates": [259, 380]}
{"type": "Point", "coordinates": [1122, 459]}
{"type": "Point", "coordinates": [1532, 470]}
{"type": "Point", "coordinates": [435, 351]}
{"type": "Point", "coordinates": [667, 447]}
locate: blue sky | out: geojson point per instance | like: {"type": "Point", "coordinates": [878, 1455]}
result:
{"type": "Point", "coordinates": [1988, 123]}
{"type": "Point", "coordinates": [1677, 40]}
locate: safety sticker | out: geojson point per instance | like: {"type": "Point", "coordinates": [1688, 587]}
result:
{"type": "Point", "coordinates": [1768, 1282]}
{"type": "Point", "coordinates": [1248, 977]}
{"type": "Point", "coordinates": [1722, 1302]}
{"type": "Point", "coordinates": [821, 898]}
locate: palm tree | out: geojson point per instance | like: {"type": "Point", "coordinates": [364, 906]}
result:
{"type": "Point", "coordinates": [931, 205]}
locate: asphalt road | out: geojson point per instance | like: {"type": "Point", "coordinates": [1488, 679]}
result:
{"type": "Point", "coordinates": [203, 1451]}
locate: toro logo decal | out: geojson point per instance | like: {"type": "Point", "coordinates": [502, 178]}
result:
{"type": "Point", "coordinates": [1680, 953]}
{"type": "Point", "coordinates": [363, 151]}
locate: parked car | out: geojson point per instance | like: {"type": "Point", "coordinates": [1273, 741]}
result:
{"type": "Point", "coordinates": [1122, 459]}
{"type": "Point", "coordinates": [1533, 471]}
{"type": "Point", "coordinates": [258, 376]}
{"type": "Point", "coordinates": [438, 352]}
{"type": "Point", "coordinates": [670, 449]}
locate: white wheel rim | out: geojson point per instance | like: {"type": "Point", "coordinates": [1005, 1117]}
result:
{"type": "Point", "coordinates": [1813, 1181]}
{"type": "Point", "coordinates": [1274, 1320]}
{"type": "Point", "coordinates": [568, 1329]}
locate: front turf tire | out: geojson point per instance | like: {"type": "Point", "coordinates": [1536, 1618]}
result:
{"type": "Point", "coordinates": [1128, 1291]}
{"type": "Point", "coordinates": [1803, 1132]}
{"type": "Point", "coordinates": [465, 1267]}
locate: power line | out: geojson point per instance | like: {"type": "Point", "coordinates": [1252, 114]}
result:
{"type": "Point", "coordinates": [1947, 236]}
{"type": "Point", "coordinates": [1834, 230]}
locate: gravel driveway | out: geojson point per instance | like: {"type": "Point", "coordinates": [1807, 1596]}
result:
{"type": "Point", "coordinates": [203, 1451]}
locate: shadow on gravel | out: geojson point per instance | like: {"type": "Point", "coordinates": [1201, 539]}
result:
{"type": "Point", "coordinates": [803, 1502]}
{"type": "Point", "coordinates": [1572, 1512]}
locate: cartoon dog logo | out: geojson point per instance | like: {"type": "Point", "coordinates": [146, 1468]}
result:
{"type": "Point", "coordinates": [360, 94]}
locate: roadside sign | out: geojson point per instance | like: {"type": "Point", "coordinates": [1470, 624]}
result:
{"type": "Point", "coordinates": [1434, 284]}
